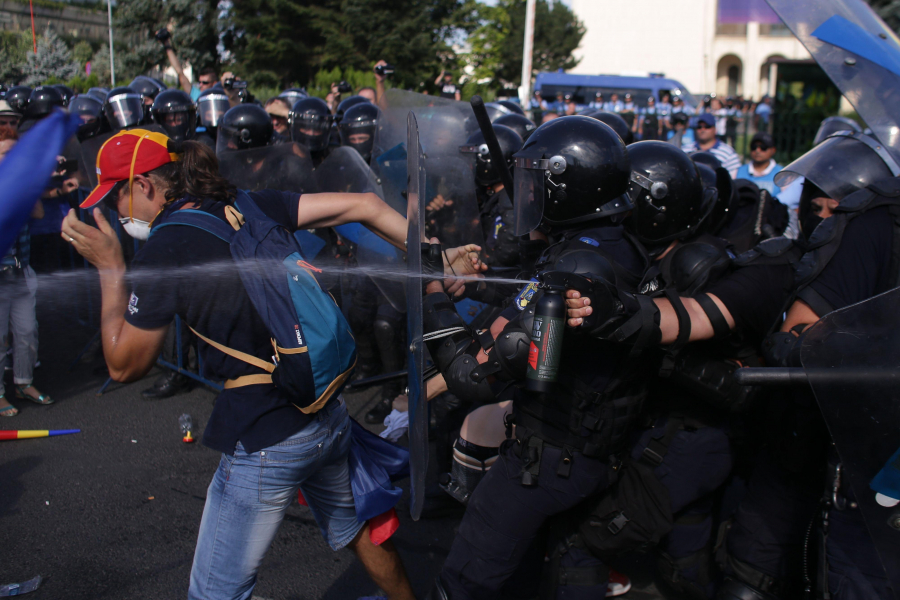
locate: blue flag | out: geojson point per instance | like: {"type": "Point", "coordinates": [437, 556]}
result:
{"type": "Point", "coordinates": [26, 171]}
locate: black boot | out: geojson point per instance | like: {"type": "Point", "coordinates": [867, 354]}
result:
{"type": "Point", "coordinates": [168, 385]}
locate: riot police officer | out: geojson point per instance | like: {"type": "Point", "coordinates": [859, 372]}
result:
{"type": "Point", "coordinates": [17, 98]}
{"type": "Point", "coordinates": [174, 111]}
{"type": "Point", "coordinates": [124, 108]}
{"type": "Point", "coordinates": [211, 107]}
{"type": "Point", "coordinates": [357, 128]}
{"type": "Point", "coordinates": [310, 122]}
{"type": "Point", "coordinates": [562, 439]}
{"type": "Point", "coordinates": [41, 103]}
{"type": "Point", "coordinates": [90, 109]}
{"type": "Point", "coordinates": [616, 122]}
{"type": "Point", "coordinates": [501, 247]}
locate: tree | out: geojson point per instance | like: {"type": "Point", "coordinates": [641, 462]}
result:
{"type": "Point", "coordinates": [82, 52]}
{"type": "Point", "coordinates": [497, 42]}
{"type": "Point", "coordinates": [889, 10]}
{"type": "Point", "coordinates": [14, 47]}
{"type": "Point", "coordinates": [192, 23]}
{"type": "Point", "coordinates": [53, 59]}
{"type": "Point", "coordinates": [291, 40]}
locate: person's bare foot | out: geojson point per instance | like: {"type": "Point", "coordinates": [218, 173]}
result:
{"type": "Point", "coordinates": [7, 409]}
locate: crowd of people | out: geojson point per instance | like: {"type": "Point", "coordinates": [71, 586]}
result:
{"type": "Point", "coordinates": [669, 261]}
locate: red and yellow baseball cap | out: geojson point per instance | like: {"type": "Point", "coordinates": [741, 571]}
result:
{"type": "Point", "coordinates": [123, 155]}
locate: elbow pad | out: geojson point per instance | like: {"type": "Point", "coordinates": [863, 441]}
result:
{"type": "Point", "coordinates": [510, 351]}
{"type": "Point", "coordinates": [465, 380]}
{"type": "Point", "coordinates": [439, 314]}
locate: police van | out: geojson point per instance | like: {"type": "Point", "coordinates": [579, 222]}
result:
{"type": "Point", "coordinates": [584, 87]}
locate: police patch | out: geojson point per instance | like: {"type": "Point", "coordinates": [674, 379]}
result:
{"type": "Point", "coordinates": [498, 225]}
{"type": "Point", "coordinates": [589, 241]}
{"type": "Point", "coordinates": [526, 294]}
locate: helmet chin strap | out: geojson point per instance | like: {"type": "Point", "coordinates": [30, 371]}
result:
{"type": "Point", "coordinates": [131, 179]}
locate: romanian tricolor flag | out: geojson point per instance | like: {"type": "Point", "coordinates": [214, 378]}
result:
{"type": "Point", "coordinates": [24, 434]}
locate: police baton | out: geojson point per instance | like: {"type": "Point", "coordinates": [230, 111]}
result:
{"type": "Point", "coordinates": [800, 376]}
{"type": "Point", "coordinates": [487, 130]}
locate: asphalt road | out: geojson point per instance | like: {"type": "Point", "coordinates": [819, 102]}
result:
{"type": "Point", "coordinates": [113, 512]}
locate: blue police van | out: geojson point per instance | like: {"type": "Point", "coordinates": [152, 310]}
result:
{"type": "Point", "coordinates": [583, 88]}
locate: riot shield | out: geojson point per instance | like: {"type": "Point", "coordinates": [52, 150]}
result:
{"type": "Point", "coordinates": [418, 402]}
{"type": "Point", "coordinates": [285, 167]}
{"type": "Point", "coordinates": [852, 360]}
{"type": "Point", "coordinates": [444, 125]}
{"type": "Point", "coordinates": [345, 171]}
{"type": "Point", "coordinates": [858, 52]}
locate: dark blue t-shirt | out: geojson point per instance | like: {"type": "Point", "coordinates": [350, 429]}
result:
{"type": "Point", "coordinates": [188, 272]}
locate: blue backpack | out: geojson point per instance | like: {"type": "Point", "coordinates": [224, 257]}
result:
{"type": "Point", "coordinates": [314, 351]}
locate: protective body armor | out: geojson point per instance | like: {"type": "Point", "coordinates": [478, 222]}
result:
{"type": "Point", "coordinates": [826, 238]}
{"type": "Point", "coordinates": [757, 216]}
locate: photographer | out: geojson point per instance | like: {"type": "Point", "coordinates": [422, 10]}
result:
{"type": "Point", "coordinates": [165, 38]}
{"type": "Point", "coordinates": [382, 71]}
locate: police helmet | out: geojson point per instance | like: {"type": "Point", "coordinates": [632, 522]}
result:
{"type": "Point", "coordinates": [211, 107]}
{"type": "Point", "coordinates": [310, 122]}
{"type": "Point", "coordinates": [243, 127]}
{"type": "Point", "coordinates": [99, 93]}
{"type": "Point", "coordinates": [147, 86]}
{"type": "Point", "coordinates": [42, 101]}
{"type": "Point", "coordinates": [358, 128]}
{"type": "Point", "coordinates": [832, 125]}
{"type": "Point", "coordinates": [124, 108]}
{"type": "Point", "coordinates": [495, 110]}
{"type": "Point", "coordinates": [345, 105]}
{"type": "Point", "coordinates": [842, 164]}
{"type": "Point", "coordinates": [617, 123]}
{"type": "Point", "coordinates": [512, 107]}
{"type": "Point", "coordinates": [486, 173]}
{"type": "Point", "coordinates": [17, 98]}
{"type": "Point", "coordinates": [715, 175]}
{"type": "Point", "coordinates": [91, 112]}
{"type": "Point", "coordinates": [518, 123]}
{"type": "Point", "coordinates": [670, 201]}
{"type": "Point", "coordinates": [680, 118]}
{"type": "Point", "coordinates": [175, 112]}
{"type": "Point", "coordinates": [572, 170]}
{"type": "Point", "coordinates": [66, 92]}
{"type": "Point", "coordinates": [293, 95]}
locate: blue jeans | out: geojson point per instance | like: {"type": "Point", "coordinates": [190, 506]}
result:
{"type": "Point", "coordinates": [250, 493]}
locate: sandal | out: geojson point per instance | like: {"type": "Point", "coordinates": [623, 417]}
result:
{"type": "Point", "coordinates": [9, 410]}
{"type": "Point", "coordinates": [42, 399]}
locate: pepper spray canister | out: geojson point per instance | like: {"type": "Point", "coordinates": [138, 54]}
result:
{"type": "Point", "coordinates": [545, 352]}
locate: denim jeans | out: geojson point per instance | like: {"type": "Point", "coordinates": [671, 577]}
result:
{"type": "Point", "coordinates": [250, 493]}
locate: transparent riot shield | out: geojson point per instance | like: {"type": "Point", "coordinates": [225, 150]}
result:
{"type": "Point", "coordinates": [852, 360]}
{"type": "Point", "coordinates": [285, 167]}
{"type": "Point", "coordinates": [345, 171]}
{"type": "Point", "coordinates": [858, 52]}
{"type": "Point", "coordinates": [451, 211]}
{"type": "Point", "coordinates": [418, 402]}
{"type": "Point", "coordinates": [444, 124]}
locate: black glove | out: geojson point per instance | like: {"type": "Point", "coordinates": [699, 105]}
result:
{"type": "Point", "coordinates": [782, 348]}
{"type": "Point", "coordinates": [165, 38]}
{"type": "Point", "coordinates": [432, 264]}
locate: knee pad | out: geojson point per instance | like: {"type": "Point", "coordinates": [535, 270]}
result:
{"type": "Point", "coordinates": [733, 589]}
{"type": "Point", "coordinates": [470, 464]}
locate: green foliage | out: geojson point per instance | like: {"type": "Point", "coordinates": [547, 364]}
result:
{"type": "Point", "coordinates": [497, 41]}
{"type": "Point", "coordinates": [82, 84]}
{"type": "Point", "coordinates": [14, 48]}
{"type": "Point", "coordinates": [100, 66]}
{"type": "Point", "coordinates": [53, 59]}
{"type": "Point", "coordinates": [292, 40]}
{"type": "Point", "coordinates": [192, 24]}
{"type": "Point", "coordinates": [82, 52]}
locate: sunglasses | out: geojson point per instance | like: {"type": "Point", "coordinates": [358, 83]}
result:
{"type": "Point", "coordinates": [702, 125]}
{"type": "Point", "coordinates": [759, 146]}
{"type": "Point", "coordinates": [207, 82]}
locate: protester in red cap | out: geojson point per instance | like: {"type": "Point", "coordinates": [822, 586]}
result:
{"type": "Point", "coordinates": [270, 449]}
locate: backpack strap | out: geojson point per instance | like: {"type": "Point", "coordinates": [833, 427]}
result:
{"type": "Point", "coordinates": [243, 357]}
{"type": "Point", "coordinates": [201, 220]}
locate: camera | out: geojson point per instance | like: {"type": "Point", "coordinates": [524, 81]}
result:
{"type": "Point", "coordinates": [163, 35]}
{"type": "Point", "coordinates": [234, 84]}
{"type": "Point", "coordinates": [344, 88]}
{"type": "Point", "coordinates": [383, 70]}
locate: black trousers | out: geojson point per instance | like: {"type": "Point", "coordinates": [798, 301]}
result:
{"type": "Point", "coordinates": [505, 520]}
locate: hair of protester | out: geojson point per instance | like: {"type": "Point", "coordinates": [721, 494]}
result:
{"type": "Point", "coordinates": [8, 133]}
{"type": "Point", "coordinates": [208, 71]}
{"type": "Point", "coordinates": [196, 175]}
{"type": "Point", "coordinates": [366, 87]}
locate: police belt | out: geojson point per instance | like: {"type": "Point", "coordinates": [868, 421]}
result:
{"type": "Point", "coordinates": [534, 419]}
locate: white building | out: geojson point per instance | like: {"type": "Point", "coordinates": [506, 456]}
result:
{"type": "Point", "coordinates": [686, 40]}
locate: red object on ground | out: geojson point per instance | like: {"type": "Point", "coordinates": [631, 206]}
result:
{"type": "Point", "coordinates": [618, 585]}
{"type": "Point", "coordinates": [381, 528]}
